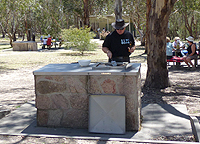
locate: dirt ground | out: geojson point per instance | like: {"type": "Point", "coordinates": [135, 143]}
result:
{"type": "Point", "coordinates": [17, 87]}
{"type": "Point", "coordinates": [184, 90]}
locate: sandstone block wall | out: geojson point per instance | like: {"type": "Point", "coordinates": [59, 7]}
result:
{"type": "Point", "coordinates": [63, 101]}
{"type": "Point", "coordinates": [25, 46]}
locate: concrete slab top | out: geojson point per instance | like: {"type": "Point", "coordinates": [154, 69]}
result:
{"type": "Point", "coordinates": [158, 119]}
{"type": "Point", "coordinates": [24, 42]}
{"type": "Point", "coordinates": [76, 69]}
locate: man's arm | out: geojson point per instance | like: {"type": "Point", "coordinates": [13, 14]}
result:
{"type": "Point", "coordinates": [193, 50]}
{"type": "Point", "coordinates": [182, 45]}
{"type": "Point", "coordinates": [173, 44]}
{"type": "Point", "coordinates": [132, 49]}
{"type": "Point", "coordinates": [107, 51]}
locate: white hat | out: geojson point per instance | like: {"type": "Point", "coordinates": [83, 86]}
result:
{"type": "Point", "coordinates": [176, 38]}
{"type": "Point", "coordinates": [190, 38]}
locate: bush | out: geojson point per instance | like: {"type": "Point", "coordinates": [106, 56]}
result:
{"type": "Point", "coordinates": [78, 39]}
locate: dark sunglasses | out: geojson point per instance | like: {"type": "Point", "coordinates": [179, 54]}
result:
{"type": "Point", "coordinates": [120, 29]}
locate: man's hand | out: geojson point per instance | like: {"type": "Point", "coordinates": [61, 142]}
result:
{"type": "Point", "coordinates": [131, 49]}
{"type": "Point", "coordinates": [107, 51]}
{"type": "Point", "coordinates": [109, 54]}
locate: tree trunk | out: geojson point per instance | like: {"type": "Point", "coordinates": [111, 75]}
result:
{"type": "Point", "coordinates": [3, 34]}
{"type": "Point", "coordinates": [157, 20]}
{"type": "Point", "coordinates": [11, 39]}
{"type": "Point", "coordinates": [29, 35]}
{"type": "Point", "coordinates": [14, 37]}
{"type": "Point", "coordinates": [118, 9]}
{"type": "Point", "coordinates": [137, 27]}
{"type": "Point", "coordinates": [147, 23]}
{"type": "Point", "coordinates": [86, 20]}
{"type": "Point", "coordinates": [187, 25]}
{"type": "Point", "coordinates": [143, 40]}
{"type": "Point", "coordinates": [33, 36]}
{"type": "Point", "coordinates": [67, 21]}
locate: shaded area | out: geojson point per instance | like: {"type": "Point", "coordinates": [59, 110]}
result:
{"type": "Point", "coordinates": [76, 54]}
{"type": "Point", "coordinates": [34, 129]}
{"type": "Point", "coordinates": [4, 68]}
{"type": "Point", "coordinates": [158, 121]}
{"type": "Point", "coordinates": [184, 90]}
{"type": "Point", "coordinates": [4, 43]}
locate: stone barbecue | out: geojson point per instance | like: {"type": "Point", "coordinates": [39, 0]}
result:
{"type": "Point", "coordinates": [63, 92]}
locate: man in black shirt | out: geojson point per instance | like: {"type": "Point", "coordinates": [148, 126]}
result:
{"type": "Point", "coordinates": [119, 44]}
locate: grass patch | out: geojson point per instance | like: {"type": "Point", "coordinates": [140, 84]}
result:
{"type": "Point", "coordinates": [17, 106]}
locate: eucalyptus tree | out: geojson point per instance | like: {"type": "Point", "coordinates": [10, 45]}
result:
{"type": "Point", "coordinates": [136, 10]}
{"type": "Point", "coordinates": [73, 10]}
{"type": "Point", "coordinates": [157, 21]}
{"type": "Point", "coordinates": [102, 7]}
{"type": "Point", "coordinates": [12, 16]}
{"type": "Point", "coordinates": [3, 17]}
{"type": "Point", "coordinates": [185, 18]}
{"type": "Point", "coordinates": [176, 25]}
{"type": "Point", "coordinates": [78, 11]}
{"type": "Point", "coordinates": [118, 9]}
{"type": "Point", "coordinates": [191, 13]}
{"type": "Point", "coordinates": [50, 18]}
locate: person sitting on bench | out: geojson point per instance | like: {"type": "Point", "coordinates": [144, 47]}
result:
{"type": "Point", "coordinates": [192, 54]}
{"type": "Point", "coordinates": [169, 48]}
{"type": "Point", "coordinates": [49, 42]}
{"type": "Point", "coordinates": [178, 45]}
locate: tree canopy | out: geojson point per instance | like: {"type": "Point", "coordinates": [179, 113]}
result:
{"type": "Point", "coordinates": [50, 16]}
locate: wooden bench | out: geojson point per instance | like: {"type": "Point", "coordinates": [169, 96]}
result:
{"type": "Point", "coordinates": [175, 59]}
{"type": "Point", "coordinates": [180, 59]}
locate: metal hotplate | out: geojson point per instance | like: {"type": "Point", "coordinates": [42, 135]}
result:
{"type": "Point", "coordinates": [106, 66]}
{"type": "Point", "coordinates": [76, 69]}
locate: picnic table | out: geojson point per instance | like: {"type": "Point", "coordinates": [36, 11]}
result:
{"type": "Point", "coordinates": [177, 60]}
{"type": "Point", "coordinates": [54, 42]}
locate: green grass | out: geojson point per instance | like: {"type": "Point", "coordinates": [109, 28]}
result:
{"type": "Point", "coordinates": [18, 106]}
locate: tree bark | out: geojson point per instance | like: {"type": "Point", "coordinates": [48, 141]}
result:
{"type": "Point", "coordinates": [147, 23]}
{"type": "Point", "coordinates": [188, 27]}
{"type": "Point", "coordinates": [3, 34]}
{"type": "Point", "coordinates": [86, 20]}
{"type": "Point", "coordinates": [118, 9]}
{"type": "Point", "coordinates": [158, 12]}
{"type": "Point", "coordinates": [143, 40]}
{"type": "Point", "coordinates": [138, 28]}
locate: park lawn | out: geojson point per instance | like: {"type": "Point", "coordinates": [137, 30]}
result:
{"type": "Point", "coordinates": [4, 46]}
{"type": "Point", "coordinates": [11, 60]}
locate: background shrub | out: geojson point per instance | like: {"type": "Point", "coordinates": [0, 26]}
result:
{"type": "Point", "coordinates": [79, 39]}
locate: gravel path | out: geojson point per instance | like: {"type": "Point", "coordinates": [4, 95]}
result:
{"type": "Point", "coordinates": [16, 88]}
